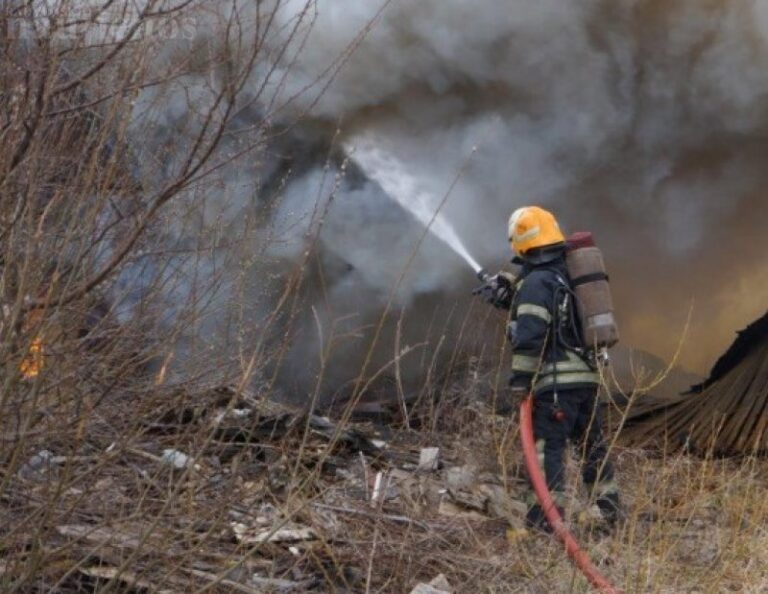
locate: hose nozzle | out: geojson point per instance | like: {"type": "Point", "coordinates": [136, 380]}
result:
{"type": "Point", "coordinates": [483, 275]}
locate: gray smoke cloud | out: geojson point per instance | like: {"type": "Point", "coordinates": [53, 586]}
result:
{"type": "Point", "coordinates": [642, 121]}
{"type": "Point", "coordinates": [645, 121]}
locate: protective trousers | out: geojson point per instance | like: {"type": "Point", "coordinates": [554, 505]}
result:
{"type": "Point", "coordinates": [580, 421]}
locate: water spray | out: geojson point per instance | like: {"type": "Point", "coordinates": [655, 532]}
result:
{"type": "Point", "coordinates": [408, 192]}
{"type": "Point", "coordinates": [391, 174]}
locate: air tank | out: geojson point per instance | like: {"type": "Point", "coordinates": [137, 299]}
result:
{"type": "Point", "coordinates": [589, 280]}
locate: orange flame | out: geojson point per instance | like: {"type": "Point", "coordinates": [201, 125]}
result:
{"type": "Point", "coordinates": [33, 363]}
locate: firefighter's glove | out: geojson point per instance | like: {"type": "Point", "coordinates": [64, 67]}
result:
{"type": "Point", "coordinates": [498, 290]}
{"type": "Point", "coordinates": [512, 333]}
{"type": "Point", "coordinates": [519, 387]}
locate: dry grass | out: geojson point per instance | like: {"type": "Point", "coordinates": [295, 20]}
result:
{"type": "Point", "coordinates": [693, 525]}
{"type": "Point", "coordinates": [102, 512]}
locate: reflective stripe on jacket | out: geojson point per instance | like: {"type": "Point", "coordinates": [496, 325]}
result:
{"type": "Point", "coordinates": [537, 354]}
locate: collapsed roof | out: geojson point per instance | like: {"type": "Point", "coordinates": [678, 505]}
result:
{"type": "Point", "coordinates": [727, 414]}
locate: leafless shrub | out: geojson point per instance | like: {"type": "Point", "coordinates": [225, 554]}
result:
{"type": "Point", "coordinates": [97, 291]}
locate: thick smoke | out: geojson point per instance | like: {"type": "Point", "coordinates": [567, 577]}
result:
{"type": "Point", "coordinates": [644, 121]}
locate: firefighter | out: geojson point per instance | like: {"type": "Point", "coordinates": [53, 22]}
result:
{"type": "Point", "coordinates": [549, 362]}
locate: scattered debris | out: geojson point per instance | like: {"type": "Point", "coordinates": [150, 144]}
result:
{"type": "Point", "coordinates": [280, 585]}
{"type": "Point", "coordinates": [39, 466]}
{"type": "Point", "coordinates": [380, 486]}
{"type": "Point", "coordinates": [231, 585]}
{"type": "Point", "coordinates": [359, 478]}
{"type": "Point", "coordinates": [113, 574]}
{"type": "Point", "coordinates": [100, 536]}
{"type": "Point", "coordinates": [429, 459]}
{"type": "Point", "coordinates": [460, 477]}
{"type": "Point", "coordinates": [288, 533]}
{"type": "Point", "coordinates": [439, 585]}
{"type": "Point", "coordinates": [500, 504]}
{"type": "Point", "coordinates": [450, 509]}
{"type": "Point", "coordinates": [441, 582]}
{"type": "Point", "coordinates": [359, 512]}
{"type": "Point", "coordinates": [480, 492]}
{"type": "Point", "coordinates": [176, 459]}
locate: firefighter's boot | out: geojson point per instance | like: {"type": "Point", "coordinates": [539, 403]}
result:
{"type": "Point", "coordinates": [610, 508]}
{"type": "Point", "coordinates": [536, 519]}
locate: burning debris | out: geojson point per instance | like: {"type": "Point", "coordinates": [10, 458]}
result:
{"type": "Point", "coordinates": [32, 364]}
{"type": "Point", "coordinates": [727, 414]}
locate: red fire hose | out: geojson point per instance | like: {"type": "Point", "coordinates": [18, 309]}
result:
{"type": "Point", "coordinates": [579, 557]}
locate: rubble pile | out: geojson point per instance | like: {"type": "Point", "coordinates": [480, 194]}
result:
{"type": "Point", "coordinates": [236, 493]}
{"type": "Point", "coordinates": [222, 491]}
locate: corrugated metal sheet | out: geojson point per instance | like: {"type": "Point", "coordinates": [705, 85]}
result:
{"type": "Point", "coordinates": [726, 415]}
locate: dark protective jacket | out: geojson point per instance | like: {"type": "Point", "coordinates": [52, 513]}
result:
{"type": "Point", "coordinates": [541, 357]}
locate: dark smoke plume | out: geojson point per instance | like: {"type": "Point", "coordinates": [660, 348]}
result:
{"type": "Point", "coordinates": [645, 121]}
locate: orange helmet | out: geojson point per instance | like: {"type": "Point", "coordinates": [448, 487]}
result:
{"type": "Point", "coordinates": [533, 227]}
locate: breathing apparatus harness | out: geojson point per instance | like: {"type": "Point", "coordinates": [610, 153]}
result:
{"type": "Point", "coordinates": [564, 317]}
{"type": "Point", "coordinates": [564, 314]}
